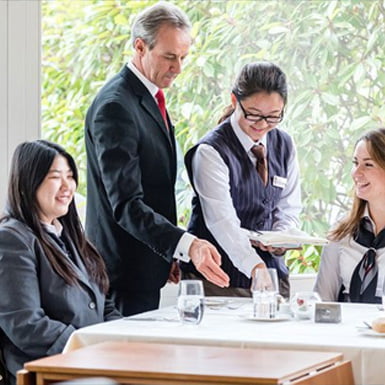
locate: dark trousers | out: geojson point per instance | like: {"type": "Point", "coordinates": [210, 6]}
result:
{"type": "Point", "coordinates": [135, 301]}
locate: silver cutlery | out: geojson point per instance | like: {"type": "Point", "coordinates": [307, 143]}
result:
{"type": "Point", "coordinates": [158, 318]}
{"type": "Point", "coordinates": [225, 305]}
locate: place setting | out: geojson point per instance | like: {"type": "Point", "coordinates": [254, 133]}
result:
{"type": "Point", "coordinates": [226, 303]}
{"type": "Point", "coordinates": [375, 328]}
{"type": "Point", "coordinates": [265, 305]}
{"type": "Point", "coordinates": [264, 289]}
{"type": "Point", "coordinates": [269, 306]}
{"type": "Point", "coordinates": [190, 305]}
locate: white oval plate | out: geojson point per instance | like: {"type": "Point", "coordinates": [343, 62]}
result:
{"type": "Point", "coordinates": [279, 318]}
{"type": "Point", "coordinates": [370, 332]}
{"type": "Point", "coordinates": [215, 301]}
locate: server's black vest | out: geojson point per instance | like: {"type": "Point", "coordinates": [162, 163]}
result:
{"type": "Point", "coordinates": [254, 203]}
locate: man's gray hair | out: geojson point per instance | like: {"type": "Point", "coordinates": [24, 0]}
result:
{"type": "Point", "coordinates": [148, 22]}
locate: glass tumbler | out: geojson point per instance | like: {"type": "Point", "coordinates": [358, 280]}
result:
{"type": "Point", "coordinates": [190, 301]}
{"type": "Point", "coordinates": [265, 289]}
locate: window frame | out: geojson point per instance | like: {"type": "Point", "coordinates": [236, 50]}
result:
{"type": "Point", "coordinates": [20, 66]}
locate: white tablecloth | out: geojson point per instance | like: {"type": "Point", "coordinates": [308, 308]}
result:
{"type": "Point", "coordinates": [225, 327]}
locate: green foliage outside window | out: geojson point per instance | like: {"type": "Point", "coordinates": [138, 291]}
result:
{"type": "Point", "coordinates": [333, 53]}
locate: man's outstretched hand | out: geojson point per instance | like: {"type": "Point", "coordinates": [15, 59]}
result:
{"type": "Point", "coordinates": [207, 261]}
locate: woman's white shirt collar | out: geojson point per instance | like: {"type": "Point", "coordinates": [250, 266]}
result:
{"type": "Point", "coordinates": [56, 228]}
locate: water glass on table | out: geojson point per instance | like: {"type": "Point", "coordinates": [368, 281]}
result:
{"type": "Point", "coordinates": [190, 301]}
{"type": "Point", "coordinates": [265, 289]}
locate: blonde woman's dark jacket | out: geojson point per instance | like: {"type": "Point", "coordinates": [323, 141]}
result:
{"type": "Point", "coordinates": [38, 309]}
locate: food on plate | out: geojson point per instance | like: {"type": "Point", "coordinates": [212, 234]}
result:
{"type": "Point", "coordinates": [378, 325]}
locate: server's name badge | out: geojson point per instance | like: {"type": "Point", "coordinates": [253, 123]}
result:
{"type": "Point", "coordinates": [279, 181]}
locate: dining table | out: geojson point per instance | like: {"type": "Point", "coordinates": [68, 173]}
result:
{"type": "Point", "coordinates": [147, 363]}
{"type": "Point", "coordinates": [228, 321]}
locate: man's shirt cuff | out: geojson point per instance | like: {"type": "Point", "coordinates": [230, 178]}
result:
{"type": "Point", "coordinates": [183, 247]}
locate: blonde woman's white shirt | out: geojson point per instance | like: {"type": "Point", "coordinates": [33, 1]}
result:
{"type": "Point", "coordinates": [338, 261]}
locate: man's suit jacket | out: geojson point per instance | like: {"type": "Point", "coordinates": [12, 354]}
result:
{"type": "Point", "coordinates": [131, 172]}
{"type": "Point", "coordinates": [38, 309]}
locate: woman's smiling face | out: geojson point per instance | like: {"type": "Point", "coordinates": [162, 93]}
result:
{"type": "Point", "coordinates": [56, 192]}
{"type": "Point", "coordinates": [267, 105]}
{"type": "Point", "coordinates": [368, 176]}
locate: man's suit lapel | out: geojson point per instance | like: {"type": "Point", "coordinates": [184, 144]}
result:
{"type": "Point", "coordinates": [148, 103]}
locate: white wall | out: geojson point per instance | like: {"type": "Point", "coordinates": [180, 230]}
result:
{"type": "Point", "coordinates": [3, 97]}
{"type": "Point", "coordinates": [19, 79]}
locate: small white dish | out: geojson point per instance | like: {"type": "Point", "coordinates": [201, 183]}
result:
{"type": "Point", "coordinates": [278, 318]}
{"type": "Point", "coordinates": [370, 332]}
{"type": "Point", "coordinates": [215, 301]}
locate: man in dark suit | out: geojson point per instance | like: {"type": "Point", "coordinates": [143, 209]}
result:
{"type": "Point", "coordinates": [131, 209]}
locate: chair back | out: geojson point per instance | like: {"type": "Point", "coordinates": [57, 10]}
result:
{"type": "Point", "coordinates": [3, 370]}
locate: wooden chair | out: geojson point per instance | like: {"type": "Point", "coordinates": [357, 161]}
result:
{"type": "Point", "coordinates": [339, 374]}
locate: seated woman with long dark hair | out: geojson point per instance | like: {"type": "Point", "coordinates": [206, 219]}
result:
{"type": "Point", "coordinates": [52, 280]}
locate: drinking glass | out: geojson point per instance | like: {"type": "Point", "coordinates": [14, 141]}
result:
{"type": "Point", "coordinates": [190, 301]}
{"type": "Point", "coordinates": [265, 289]}
{"type": "Point", "coordinates": [303, 303]}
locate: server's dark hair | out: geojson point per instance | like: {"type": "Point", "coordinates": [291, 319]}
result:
{"type": "Point", "coordinates": [262, 76]}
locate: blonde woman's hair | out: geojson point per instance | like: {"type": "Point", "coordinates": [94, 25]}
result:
{"type": "Point", "coordinates": [375, 142]}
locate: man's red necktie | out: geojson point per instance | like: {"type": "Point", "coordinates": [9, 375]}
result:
{"type": "Point", "coordinates": [162, 105]}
